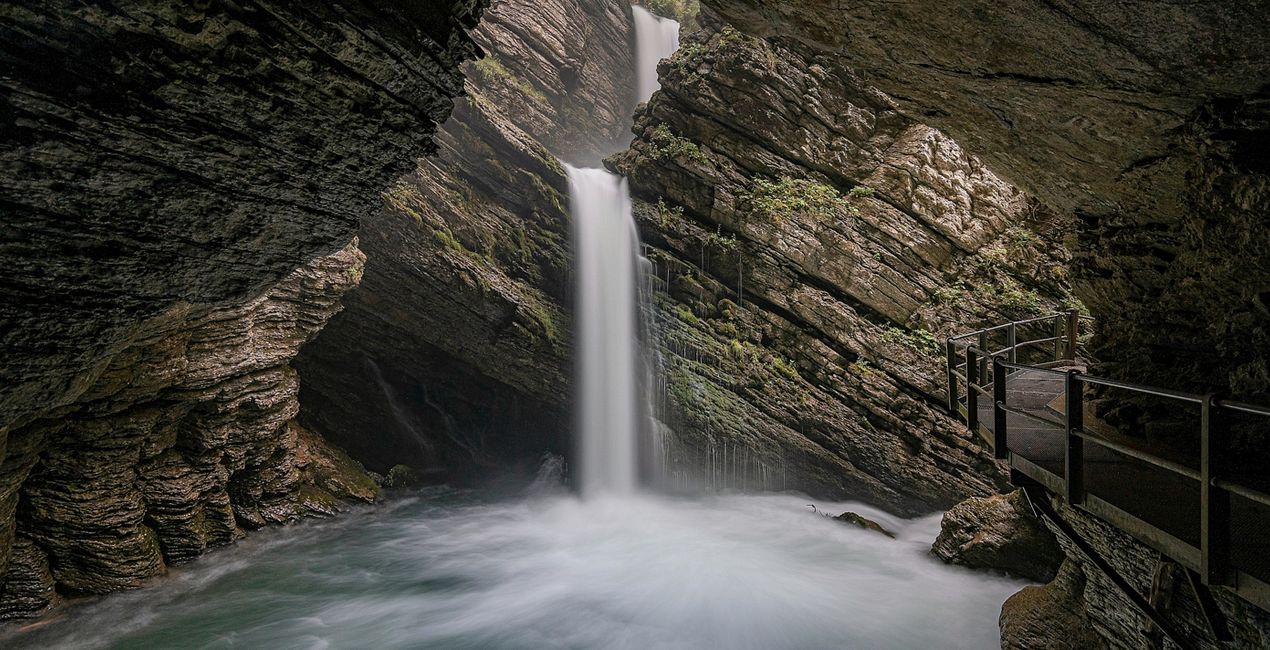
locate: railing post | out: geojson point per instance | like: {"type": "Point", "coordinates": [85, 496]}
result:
{"type": "Point", "coordinates": [1058, 333]}
{"type": "Point", "coordinates": [952, 378]}
{"type": "Point", "coordinates": [1012, 341]}
{"type": "Point", "coordinates": [1214, 525]}
{"type": "Point", "coordinates": [1073, 331]}
{"type": "Point", "coordinates": [1000, 445]}
{"type": "Point", "coordinates": [972, 395]}
{"type": "Point", "coordinates": [1074, 461]}
{"type": "Point", "coordinates": [983, 355]}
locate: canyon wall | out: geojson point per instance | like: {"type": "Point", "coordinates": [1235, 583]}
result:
{"type": "Point", "coordinates": [815, 247]}
{"type": "Point", "coordinates": [454, 355]}
{"type": "Point", "coordinates": [802, 346]}
{"type": "Point", "coordinates": [1147, 120]}
{"type": "Point", "coordinates": [183, 184]}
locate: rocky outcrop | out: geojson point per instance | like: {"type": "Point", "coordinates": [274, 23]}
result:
{"type": "Point", "coordinates": [1114, 616]}
{"type": "Point", "coordinates": [800, 339]}
{"type": "Point", "coordinates": [1148, 120]}
{"type": "Point", "coordinates": [815, 247]}
{"type": "Point", "coordinates": [184, 444]}
{"type": "Point", "coordinates": [1001, 533]}
{"type": "Point", "coordinates": [183, 183]}
{"type": "Point", "coordinates": [193, 153]}
{"type": "Point", "coordinates": [1051, 615]}
{"type": "Point", "coordinates": [453, 356]}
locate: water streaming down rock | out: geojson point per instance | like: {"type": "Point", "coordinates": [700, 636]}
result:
{"type": "Point", "coordinates": [609, 400]}
{"type": "Point", "coordinates": [656, 39]}
{"type": "Point", "coordinates": [615, 414]}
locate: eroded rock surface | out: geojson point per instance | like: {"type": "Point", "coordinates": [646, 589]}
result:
{"type": "Point", "coordinates": [1050, 616]}
{"type": "Point", "coordinates": [185, 444]}
{"type": "Point", "coordinates": [815, 247]}
{"type": "Point", "coordinates": [183, 183]}
{"type": "Point", "coordinates": [453, 356]}
{"type": "Point", "coordinates": [1148, 120]}
{"type": "Point", "coordinates": [999, 533]}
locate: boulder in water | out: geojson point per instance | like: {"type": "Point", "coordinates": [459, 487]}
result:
{"type": "Point", "coordinates": [999, 532]}
{"type": "Point", "coordinates": [867, 524]}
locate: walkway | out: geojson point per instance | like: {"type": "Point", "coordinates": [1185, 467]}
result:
{"type": "Point", "coordinates": [1151, 493]}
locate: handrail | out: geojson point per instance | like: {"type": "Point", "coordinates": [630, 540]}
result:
{"type": "Point", "coordinates": [990, 381]}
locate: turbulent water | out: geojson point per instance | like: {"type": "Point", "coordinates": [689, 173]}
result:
{"type": "Point", "coordinates": [450, 570]}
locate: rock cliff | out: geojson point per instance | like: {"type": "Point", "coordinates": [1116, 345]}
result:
{"type": "Point", "coordinates": [1148, 120]}
{"type": "Point", "coordinates": [454, 355]}
{"type": "Point", "coordinates": [815, 247]}
{"type": "Point", "coordinates": [183, 183]}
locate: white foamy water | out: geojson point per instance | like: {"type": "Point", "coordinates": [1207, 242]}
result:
{"type": "Point", "coordinates": [606, 249]}
{"type": "Point", "coordinates": [447, 570]}
{"type": "Point", "coordinates": [656, 38]}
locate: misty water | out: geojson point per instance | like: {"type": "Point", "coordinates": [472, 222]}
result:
{"type": "Point", "coordinates": [447, 569]}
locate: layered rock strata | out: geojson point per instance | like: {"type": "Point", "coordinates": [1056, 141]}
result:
{"type": "Point", "coordinates": [183, 443]}
{"type": "Point", "coordinates": [1147, 120]}
{"type": "Point", "coordinates": [815, 247]}
{"type": "Point", "coordinates": [183, 183]}
{"type": "Point", "coordinates": [454, 355]}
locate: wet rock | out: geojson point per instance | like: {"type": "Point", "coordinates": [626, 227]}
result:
{"type": "Point", "coordinates": [28, 584]}
{"type": "Point", "coordinates": [1050, 616]}
{"type": "Point", "coordinates": [401, 476]}
{"type": "Point", "coordinates": [999, 533]}
{"type": "Point", "coordinates": [862, 522]}
{"type": "Point", "coordinates": [186, 441]}
{"type": "Point", "coordinates": [815, 247]}
{"type": "Point", "coordinates": [453, 356]}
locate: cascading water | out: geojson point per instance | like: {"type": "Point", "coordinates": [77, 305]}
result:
{"type": "Point", "coordinates": [607, 254]}
{"type": "Point", "coordinates": [656, 38]}
{"type": "Point", "coordinates": [613, 402]}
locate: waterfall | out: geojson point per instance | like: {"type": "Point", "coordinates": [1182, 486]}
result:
{"type": "Point", "coordinates": [656, 38]}
{"type": "Point", "coordinates": [614, 410]}
{"type": "Point", "coordinates": [607, 250]}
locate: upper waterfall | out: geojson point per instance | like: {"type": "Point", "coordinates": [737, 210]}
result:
{"type": "Point", "coordinates": [656, 38]}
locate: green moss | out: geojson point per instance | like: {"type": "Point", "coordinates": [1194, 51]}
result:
{"type": "Point", "coordinates": [683, 11]}
{"type": "Point", "coordinates": [547, 323]}
{"type": "Point", "coordinates": [860, 192]}
{"type": "Point", "coordinates": [919, 340]}
{"type": "Point", "coordinates": [401, 476]}
{"type": "Point", "coordinates": [786, 197]}
{"type": "Point", "coordinates": [446, 238]}
{"type": "Point", "coordinates": [685, 314]}
{"type": "Point", "coordinates": [492, 69]}
{"type": "Point", "coordinates": [669, 218]}
{"type": "Point", "coordinates": [670, 147]}
{"type": "Point", "coordinates": [726, 243]}
{"type": "Point", "coordinates": [783, 367]}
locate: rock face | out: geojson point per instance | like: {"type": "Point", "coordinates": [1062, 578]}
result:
{"type": "Point", "coordinates": [183, 183]}
{"type": "Point", "coordinates": [184, 444]}
{"type": "Point", "coordinates": [815, 247]}
{"type": "Point", "coordinates": [1000, 533]}
{"type": "Point", "coordinates": [163, 154]}
{"type": "Point", "coordinates": [1115, 618]}
{"type": "Point", "coordinates": [1148, 120]}
{"type": "Point", "coordinates": [453, 356]}
{"type": "Point", "coordinates": [1050, 616]}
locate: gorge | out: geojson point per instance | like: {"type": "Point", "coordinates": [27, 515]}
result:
{"type": "Point", "coordinates": [271, 262]}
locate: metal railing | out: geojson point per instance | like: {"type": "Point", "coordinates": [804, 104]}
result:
{"type": "Point", "coordinates": [985, 372]}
